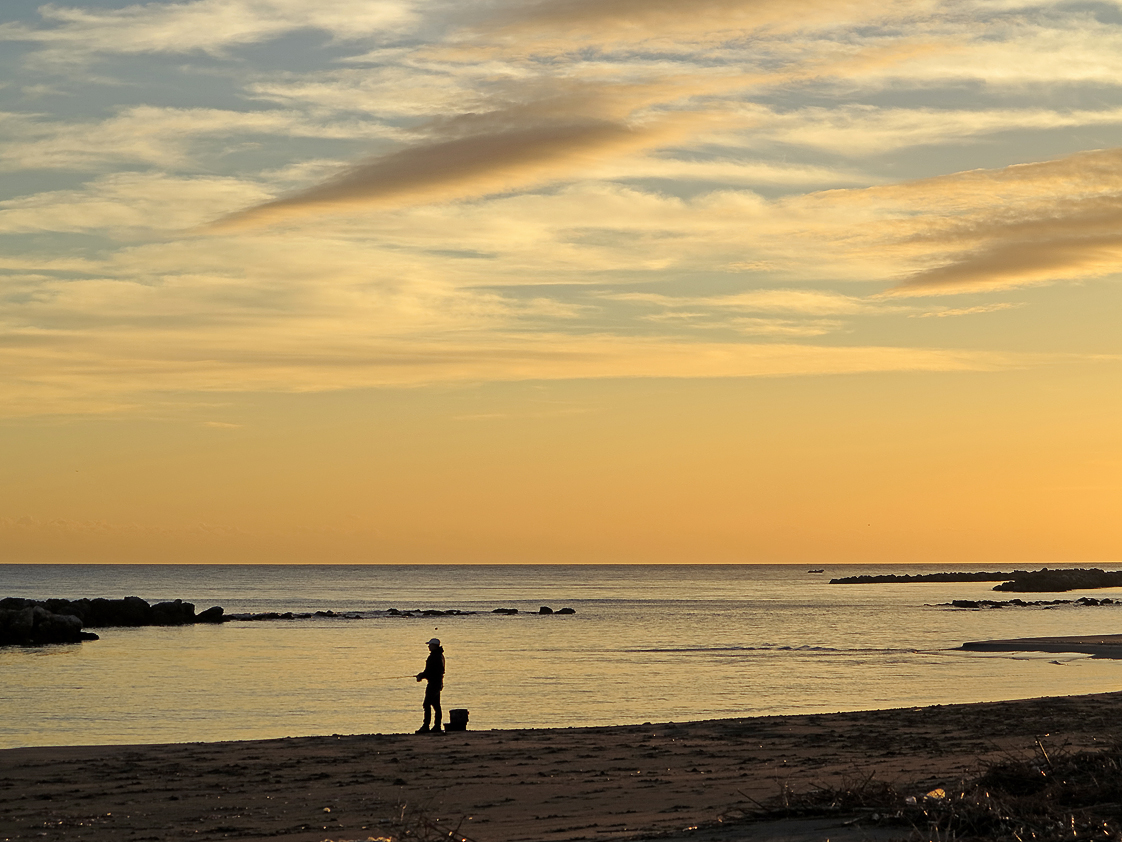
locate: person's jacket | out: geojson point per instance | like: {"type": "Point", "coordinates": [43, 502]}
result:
{"type": "Point", "coordinates": [434, 668]}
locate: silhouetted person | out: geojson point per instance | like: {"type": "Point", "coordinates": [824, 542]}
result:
{"type": "Point", "coordinates": [434, 672]}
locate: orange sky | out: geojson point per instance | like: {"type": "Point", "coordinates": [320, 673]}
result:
{"type": "Point", "coordinates": [560, 282]}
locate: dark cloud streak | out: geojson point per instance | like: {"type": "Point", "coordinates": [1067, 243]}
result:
{"type": "Point", "coordinates": [450, 169]}
{"type": "Point", "coordinates": [1085, 239]}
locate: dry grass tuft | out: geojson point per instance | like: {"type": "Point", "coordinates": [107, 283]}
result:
{"type": "Point", "coordinates": [1043, 797]}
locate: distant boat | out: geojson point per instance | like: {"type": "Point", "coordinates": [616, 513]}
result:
{"type": "Point", "coordinates": [817, 570]}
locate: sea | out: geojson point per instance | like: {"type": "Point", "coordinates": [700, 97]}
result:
{"type": "Point", "coordinates": [647, 643]}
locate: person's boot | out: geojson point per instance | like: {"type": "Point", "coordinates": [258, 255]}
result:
{"type": "Point", "coordinates": [424, 729]}
{"type": "Point", "coordinates": [436, 729]}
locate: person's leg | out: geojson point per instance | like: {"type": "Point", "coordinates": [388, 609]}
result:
{"type": "Point", "coordinates": [424, 729]}
{"type": "Point", "coordinates": [436, 709]}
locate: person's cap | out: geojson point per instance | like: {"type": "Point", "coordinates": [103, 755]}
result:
{"type": "Point", "coordinates": [434, 642]}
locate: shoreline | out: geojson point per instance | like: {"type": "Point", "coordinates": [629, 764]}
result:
{"type": "Point", "coordinates": [1104, 646]}
{"type": "Point", "coordinates": [607, 782]}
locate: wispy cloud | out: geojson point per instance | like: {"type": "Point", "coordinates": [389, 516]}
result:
{"type": "Point", "coordinates": [80, 371]}
{"type": "Point", "coordinates": [869, 130]}
{"type": "Point", "coordinates": [945, 312]}
{"type": "Point", "coordinates": [139, 202]}
{"type": "Point", "coordinates": [559, 130]}
{"type": "Point", "coordinates": [1058, 219]}
{"type": "Point", "coordinates": [162, 137]}
{"type": "Point", "coordinates": [462, 167]}
{"type": "Point", "coordinates": [574, 23]}
{"type": "Point", "coordinates": [519, 168]}
{"type": "Point", "coordinates": [210, 26]}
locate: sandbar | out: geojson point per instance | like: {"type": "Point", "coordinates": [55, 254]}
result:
{"type": "Point", "coordinates": [1099, 645]}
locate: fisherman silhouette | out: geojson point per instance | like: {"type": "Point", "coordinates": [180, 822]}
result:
{"type": "Point", "coordinates": [434, 673]}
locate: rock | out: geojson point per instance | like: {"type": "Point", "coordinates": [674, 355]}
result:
{"type": "Point", "coordinates": [17, 624]}
{"type": "Point", "coordinates": [545, 609]}
{"type": "Point", "coordinates": [56, 628]}
{"type": "Point", "coordinates": [567, 611]}
{"type": "Point", "coordinates": [34, 624]}
{"type": "Point", "coordinates": [177, 613]}
{"type": "Point", "coordinates": [1044, 580]}
{"type": "Point", "coordinates": [97, 613]}
{"type": "Point", "coordinates": [130, 611]}
{"type": "Point", "coordinates": [507, 611]}
{"type": "Point", "coordinates": [1020, 581]}
{"type": "Point", "coordinates": [923, 577]}
{"type": "Point", "coordinates": [211, 615]}
{"type": "Point", "coordinates": [1046, 604]}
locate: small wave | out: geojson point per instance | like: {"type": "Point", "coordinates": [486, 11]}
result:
{"type": "Point", "coordinates": [770, 647]}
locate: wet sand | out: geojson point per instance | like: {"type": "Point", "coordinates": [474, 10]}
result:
{"type": "Point", "coordinates": [626, 782]}
{"type": "Point", "coordinates": [1100, 646]}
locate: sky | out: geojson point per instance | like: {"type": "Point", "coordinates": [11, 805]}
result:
{"type": "Point", "coordinates": [561, 281]}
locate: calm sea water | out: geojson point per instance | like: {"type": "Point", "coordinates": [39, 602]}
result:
{"type": "Point", "coordinates": [648, 643]}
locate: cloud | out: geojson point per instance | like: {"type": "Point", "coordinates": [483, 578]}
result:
{"type": "Point", "coordinates": [968, 231]}
{"type": "Point", "coordinates": [800, 302]}
{"type": "Point", "coordinates": [803, 301]}
{"type": "Point", "coordinates": [1059, 219]}
{"type": "Point", "coordinates": [556, 130]}
{"type": "Point", "coordinates": [1009, 52]}
{"type": "Point", "coordinates": [967, 311]}
{"type": "Point", "coordinates": [82, 371]}
{"type": "Point", "coordinates": [156, 136]}
{"type": "Point", "coordinates": [776, 312]}
{"type": "Point", "coordinates": [572, 23]}
{"type": "Point", "coordinates": [212, 26]}
{"type": "Point", "coordinates": [127, 202]}
{"type": "Point", "coordinates": [868, 130]}
{"type": "Point", "coordinates": [400, 89]}
{"type": "Point", "coordinates": [1081, 244]}
{"type": "Point", "coordinates": [784, 327]}
{"type": "Point", "coordinates": [452, 169]}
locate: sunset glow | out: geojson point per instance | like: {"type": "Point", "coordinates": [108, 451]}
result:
{"type": "Point", "coordinates": [561, 281]}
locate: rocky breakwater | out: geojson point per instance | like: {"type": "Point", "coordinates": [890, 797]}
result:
{"type": "Point", "coordinates": [1019, 581]}
{"type": "Point", "coordinates": [29, 621]}
{"type": "Point", "coordinates": [1053, 581]}
{"type": "Point", "coordinates": [34, 624]}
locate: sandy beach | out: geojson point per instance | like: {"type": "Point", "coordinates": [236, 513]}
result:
{"type": "Point", "coordinates": [1107, 646]}
{"type": "Point", "coordinates": [626, 782]}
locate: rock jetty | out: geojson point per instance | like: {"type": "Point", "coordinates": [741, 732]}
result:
{"type": "Point", "coordinates": [1020, 603]}
{"type": "Point", "coordinates": [1019, 581]}
{"type": "Point", "coordinates": [34, 624]}
{"type": "Point", "coordinates": [889, 578]}
{"type": "Point", "coordinates": [1052, 581]}
{"type": "Point", "coordinates": [29, 621]}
